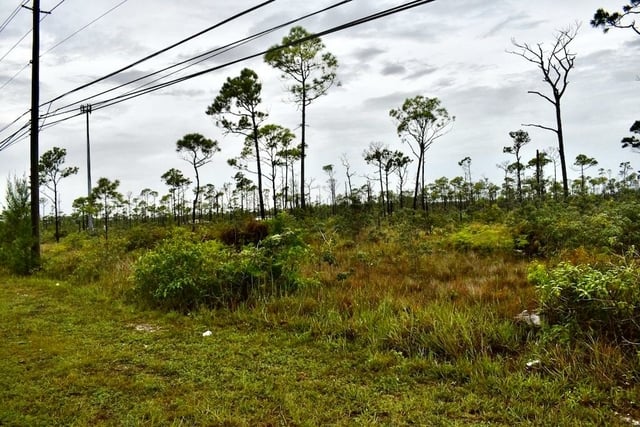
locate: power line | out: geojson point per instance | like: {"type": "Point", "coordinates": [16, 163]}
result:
{"type": "Point", "coordinates": [131, 95]}
{"type": "Point", "coordinates": [15, 45]}
{"type": "Point", "coordinates": [15, 75]}
{"type": "Point", "coordinates": [153, 55]}
{"type": "Point", "coordinates": [41, 55]}
{"type": "Point", "coordinates": [11, 139]}
{"type": "Point", "coordinates": [360, 21]}
{"type": "Point", "coordinates": [12, 15]}
{"type": "Point", "coordinates": [56, 6]}
{"type": "Point", "coordinates": [83, 27]}
{"type": "Point", "coordinates": [45, 14]}
{"type": "Point", "coordinates": [195, 60]}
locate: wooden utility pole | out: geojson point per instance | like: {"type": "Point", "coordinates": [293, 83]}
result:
{"type": "Point", "coordinates": [87, 110]}
{"type": "Point", "coordinates": [35, 154]}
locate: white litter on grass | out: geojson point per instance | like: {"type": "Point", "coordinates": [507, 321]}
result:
{"type": "Point", "coordinates": [533, 364]}
{"type": "Point", "coordinates": [146, 328]}
{"type": "Point", "coordinates": [531, 319]}
{"type": "Point", "coordinates": [207, 334]}
{"type": "Point", "coordinates": [629, 420]}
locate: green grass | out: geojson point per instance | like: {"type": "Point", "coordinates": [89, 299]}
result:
{"type": "Point", "coordinates": [390, 326]}
{"type": "Point", "coordinates": [78, 355]}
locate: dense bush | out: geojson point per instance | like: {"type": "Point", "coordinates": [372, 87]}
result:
{"type": "Point", "coordinates": [15, 229]}
{"type": "Point", "coordinates": [482, 238]}
{"type": "Point", "coordinates": [249, 231]}
{"type": "Point", "coordinates": [553, 227]}
{"type": "Point", "coordinates": [82, 258]}
{"type": "Point", "coordinates": [182, 274]}
{"type": "Point", "coordinates": [144, 236]}
{"type": "Point", "coordinates": [582, 299]}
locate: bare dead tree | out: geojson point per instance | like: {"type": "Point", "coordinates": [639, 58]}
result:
{"type": "Point", "coordinates": [555, 64]}
{"type": "Point", "coordinates": [345, 162]}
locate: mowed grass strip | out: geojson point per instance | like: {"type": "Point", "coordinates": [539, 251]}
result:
{"type": "Point", "coordinates": [74, 355]}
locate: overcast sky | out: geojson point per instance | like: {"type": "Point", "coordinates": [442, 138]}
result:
{"type": "Point", "coordinates": [454, 50]}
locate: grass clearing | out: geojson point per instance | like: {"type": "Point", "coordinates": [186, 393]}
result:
{"type": "Point", "coordinates": [384, 330]}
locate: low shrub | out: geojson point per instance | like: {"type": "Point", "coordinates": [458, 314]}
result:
{"type": "Point", "coordinates": [82, 259]}
{"type": "Point", "coordinates": [482, 238]}
{"type": "Point", "coordinates": [182, 274]}
{"type": "Point", "coordinates": [248, 232]}
{"type": "Point", "coordinates": [578, 300]}
{"type": "Point", "coordinates": [15, 229]}
{"type": "Point", "coordinates": [144, 236]}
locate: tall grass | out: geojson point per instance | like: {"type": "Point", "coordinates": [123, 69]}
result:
{"type": "Point", "coordinates": [418, 322]}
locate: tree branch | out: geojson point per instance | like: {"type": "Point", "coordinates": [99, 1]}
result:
{"type": "Point", "coordinates": [542, 95]}
{"type": "Point", "coordinates": [540, 126]}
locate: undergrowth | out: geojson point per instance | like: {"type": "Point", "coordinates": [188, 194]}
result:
{"type": "Point", "coordinates": [322, 322]}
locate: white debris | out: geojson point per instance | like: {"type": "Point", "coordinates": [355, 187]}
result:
{"type": "Point", "coordinates": [146, 328]}
{"type": "Point", "coordinates": [629, 420]}
{"type": "Point", "coordinates": [207, 334]}
{"type": "Point", "coordinates": [531, 319]}
{"type": "Point", "coordinates": [532, 364]}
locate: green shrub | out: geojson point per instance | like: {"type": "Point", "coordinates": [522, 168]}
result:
{"type": "Point", "coordinates": [482, 238]}
{"type": "Point", "coordinates": [15, 229]}
{"type": "Point", "coordinates": [554, 227]}
{"type": "Point", "coordinates": [144, 236]}
{"type": "Point", "coordinates": [182, 274]}
{"type": "Point", "coordinates": [97, 259]}
{"type": "Point", "coordinates": [247, 232]}
{"type": "Point", "coordinates": [581, 299]}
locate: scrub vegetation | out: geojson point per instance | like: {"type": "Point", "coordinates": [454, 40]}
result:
{"type": "Point", "coordinates": [321, 318]}
{"type": "Point", "coordinates": [456, 302]}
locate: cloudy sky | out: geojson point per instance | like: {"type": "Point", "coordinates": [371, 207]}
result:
{"type": "Point", "coordinates": [454, 50]}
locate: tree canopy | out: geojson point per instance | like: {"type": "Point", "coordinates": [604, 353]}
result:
{"type": "Point", "coordinates": [625, 19]}
{"type": "Point", "coordinates": [420, 122]}
{"type": "Point", "coordinates": [198, 151]}
{"type": "Point", "coordinates": [301, 58]}
{"type": "Point", "coordinates": [236, 109]}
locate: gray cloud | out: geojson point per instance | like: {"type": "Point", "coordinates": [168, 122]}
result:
{"type": "Point", "coordinates": [386, 102]}
{"type": "Point", "coordinates": [367, 54]}
{"type": "Point", "coordinates": [393, 69]}
{"type": "Point", "coordinates": [520, 21]}
{"type": "Point", "coordinates": [432, 50]}
{"type": "Point", "coordinates": [421, 72]}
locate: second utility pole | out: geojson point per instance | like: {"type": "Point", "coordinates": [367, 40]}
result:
{"type": "Point", "coordinates": [35, 154]}
{"type": "Point", "coordinates": [87, 109]}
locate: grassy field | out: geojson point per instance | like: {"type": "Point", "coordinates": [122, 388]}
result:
{"type": "Point", "coordinates": [388, 332]}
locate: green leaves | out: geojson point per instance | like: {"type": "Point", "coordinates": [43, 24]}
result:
{"type": "Point", "coordinates": [632, 141]}
{"type": "Point", "coordinates": [50, 167]}
{"type": "Point", "coordinates": [236, 106]}
{"type": "Point", "coordinates": [15, 228]}
{"type": "Point", "coordinates": [421, 118]}
{"type": "Point", "coordinates": [182, 274]}
{"type": "Point", "coordinates": [312, 71]}
{"type": "Point", "coordinates": [607, 20]}
{"type": "Point", "coordinates": [197, 149]}
{"type": "Point", "coordinates": [584, 299]}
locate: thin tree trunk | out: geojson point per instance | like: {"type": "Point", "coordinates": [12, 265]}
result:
{"type": "Point", "coordinates": [415, 192]}
{"type": "Point", "coordinates": [55, 211]}
{"type": "Point", "coordinates": [195, 201]}
{"type": "Point", "coordinates": [273, 187]}
{"type": "Point", "coordinates": [303, 145]}
{"type": "Point", "coordinates": [258, 164]}
{"type": "Point", "coordinates": [563, 163]}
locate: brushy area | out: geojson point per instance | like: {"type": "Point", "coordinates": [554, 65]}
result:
{"type": "Point", "coordinates": [343, 320]}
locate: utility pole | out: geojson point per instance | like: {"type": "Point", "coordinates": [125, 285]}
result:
{"type": "Point", "coordinates": [86, 109]}
{"type": "Point", "coordinates": [35, 154]}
